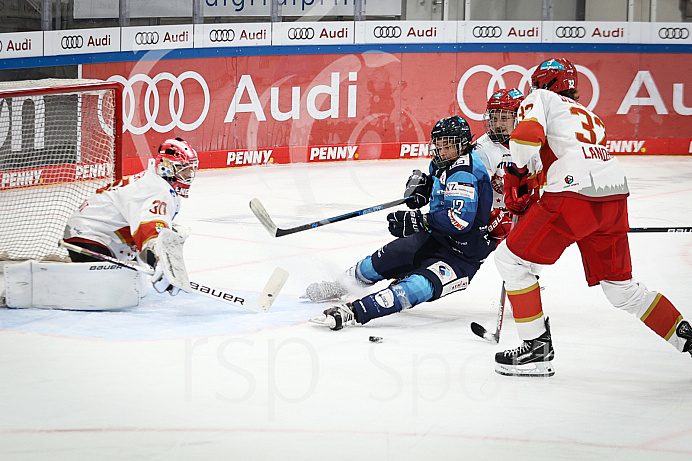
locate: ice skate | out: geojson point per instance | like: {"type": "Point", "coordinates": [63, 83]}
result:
{"type": "Point", "coordinates": [684, 331]}
{"type": "Point", "coordinates": [532, 358]}
{"type": "Point", "coordinates": [336, 317]}
{"type": "Point", "coordinates": [320, 292]}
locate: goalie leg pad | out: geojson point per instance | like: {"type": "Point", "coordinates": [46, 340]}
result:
{"type": "Point", "coordinates": [72, 286]}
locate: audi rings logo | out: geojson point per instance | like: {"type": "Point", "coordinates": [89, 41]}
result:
{"type": "Point", "coordinates": [222, 35]}
{"type": "Point", "coordinates": [570, 32]}
{"type": "Point", "coordinates": [70, 42]}
{"type": "Point", "coordinates": [147, 38]}
{"type": "Point", "coordinates": [387, 32]}
{"type": "Point", "coordinates": [301, 33]}
{"type": "Point", "coordinates": [487, 32]}
{"type": "Point", "coordinates": [148, 106]}
{"type": "Point", "coordinates": [674, 33]}
{"type": "Point", "coordinates": [497, 80]}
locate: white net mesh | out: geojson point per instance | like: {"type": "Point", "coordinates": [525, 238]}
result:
{"type": "Point", "coordinates": [57, 146]}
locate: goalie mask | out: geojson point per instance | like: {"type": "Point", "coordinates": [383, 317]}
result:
{"type": "Point", "coordinates": [177, 163]}
{"type": "Point", "coordinates": [449, 139]}
{"type": "Point", "coordinates": [555, 75]}
{"type": "Point", "coordinates": [500, 116]}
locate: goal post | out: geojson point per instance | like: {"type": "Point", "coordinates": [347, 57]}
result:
{"type": "Point", "coordinates": [60, 140]}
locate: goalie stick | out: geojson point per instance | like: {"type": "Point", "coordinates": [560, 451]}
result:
{"type": "Point", "coordinates": [261, 213]}
{"type": "Point", "coordinates": [480, 330]}
{"type": "Point", "coordinates": [264, 300]}
{"type": "Point", "coordinates": [660, 229]}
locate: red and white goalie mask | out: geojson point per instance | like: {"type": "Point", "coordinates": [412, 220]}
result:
{"type": "Point", "coordinates": [177, 163]}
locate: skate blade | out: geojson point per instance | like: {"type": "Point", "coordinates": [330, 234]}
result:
{"type": "Point", "coordinates": [538, 369]}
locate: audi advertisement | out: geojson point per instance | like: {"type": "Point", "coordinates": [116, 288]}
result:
{"type": "Point", "coordinates": [668, 33]}
{"type": "Point", "coordinates": [377, 102]}
{"type": "Point", "coordinates": [502, 31]}
{"type": "Point", "coordinates": [170, 37]}
{"type": "Point", "coordinates": [409, 31]}
{"type": "Point", "coordinates": [21, 45]}
{"type": "Point", "coordinates": [312, 33]}
{"type": "Point", "coordinates": [587, 31]}
{"type": "Point", "coordinates": [157, 37]}
{"type": "Point", "coordinates": [81, 41]}
{"type": "Point", "coordinates": [215, 35]}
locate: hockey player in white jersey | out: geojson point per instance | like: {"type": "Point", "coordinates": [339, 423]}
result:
{"type": "Point", "coordinates": [492, 148]}
{"type": "Point", "coordinates": [584, 201]}
{"type": "Point", "coordinates": [123, 220]}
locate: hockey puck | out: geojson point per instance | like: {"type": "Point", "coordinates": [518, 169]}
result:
{"type": "Point", "coordinates": [375, 339]}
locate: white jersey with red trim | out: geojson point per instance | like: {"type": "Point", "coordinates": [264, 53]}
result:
{"type": "Point", "coordinates": [126, 214]}
{"type": "Point", "coordinates": [571, 141]}
{"type": "Point", "coordinates": [495, 156]}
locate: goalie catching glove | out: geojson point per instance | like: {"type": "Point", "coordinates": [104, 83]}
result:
{"type": "Point", "coordinates": [516, 191]}
{"type": "Point", "coordinates": [418, 187]}
{"type": "Point", "coordinates": [405, 223]}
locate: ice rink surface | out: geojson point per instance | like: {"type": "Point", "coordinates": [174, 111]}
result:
{"type": "Point", "coordinates": [187, 377]}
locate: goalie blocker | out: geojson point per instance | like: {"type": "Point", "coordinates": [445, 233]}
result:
{"type": "Point", "coordinates": [95, 286]}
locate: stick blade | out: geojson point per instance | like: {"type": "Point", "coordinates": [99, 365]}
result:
{"type": "Point", "coordinates": [479, 330]}
{"type": "Point", "coordinates": [263, 217]}
{"type": "Point", "coordinates": [272, 288]}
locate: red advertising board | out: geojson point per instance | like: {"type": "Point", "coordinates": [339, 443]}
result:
{"type": "Point", "coordinates": [247, 110]}
{"type": "Point", "coordinates": [51, 175]}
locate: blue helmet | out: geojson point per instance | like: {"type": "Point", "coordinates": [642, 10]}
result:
{"type": "Point", "coordinates": [449, 131]}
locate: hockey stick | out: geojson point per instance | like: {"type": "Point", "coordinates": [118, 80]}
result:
{"type": "Point", "coordinates": [660, 229]}
{"type": "Point", "coordinates": [266, 220]}
{"type": "Point", "coordinates": [264, 301]}
{"type": "Point", "coordinates": [479, 330]}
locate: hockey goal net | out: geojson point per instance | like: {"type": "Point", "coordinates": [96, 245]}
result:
{"type": "Point", "coordinates": [59, 142]}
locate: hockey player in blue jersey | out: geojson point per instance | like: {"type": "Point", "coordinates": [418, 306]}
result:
{"type": "Point", "coordinates": [436, 253]}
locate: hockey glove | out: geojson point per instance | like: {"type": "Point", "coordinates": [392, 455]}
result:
{"type": "Point", "coordinates": [181, 230]}
{"type": "Point", "coordinates": [161, 283]}
{"type": "Point", "coordinates": [148, 254]}
{"type": "Point", "coordinates": [418, 187]}
{"type": "Point", "coordinates": [516, 192]}
{"type": "Point", "coordinates": [405, 223]}
{"type": "Point", "coordinates": [499, 224]}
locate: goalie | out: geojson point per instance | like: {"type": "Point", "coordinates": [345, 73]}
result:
{"type": "Point", "coordinates": [127, 220]}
